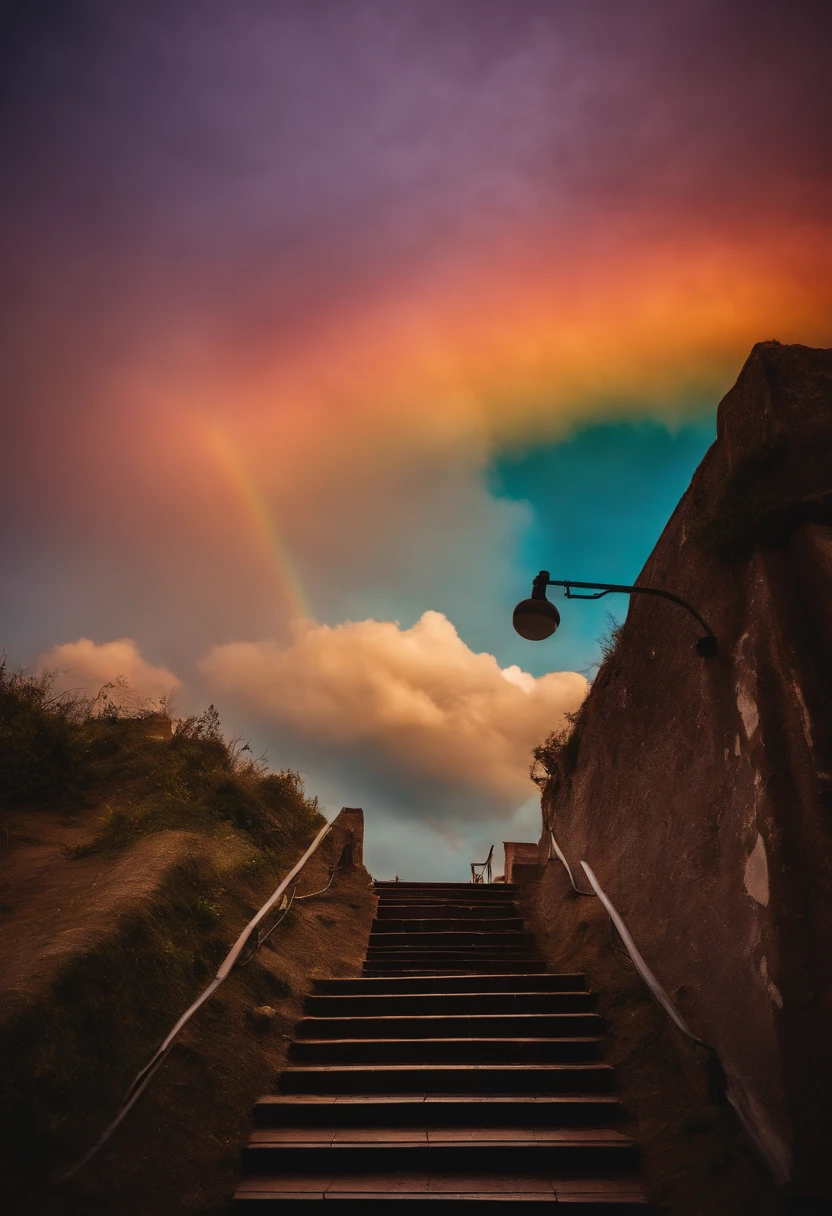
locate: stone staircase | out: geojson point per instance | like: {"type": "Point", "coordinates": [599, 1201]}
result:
{"type": "Point", "coordinates": [455, 1070]}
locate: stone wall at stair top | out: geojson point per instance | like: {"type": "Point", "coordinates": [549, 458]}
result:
{"type": "Point", "coordinates": [348, 828]}
{"type": "Point", "coordinates": [702, 790]}
{"type": "Point", "coordinates": [519, 854]}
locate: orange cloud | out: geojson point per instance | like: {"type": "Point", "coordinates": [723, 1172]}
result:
{"type": "Point", "coordinates": [519, 348]}
{"type": "Point", "coordinates": [418, 697]}
{"type": "Point", "coordinates": [87, 665]}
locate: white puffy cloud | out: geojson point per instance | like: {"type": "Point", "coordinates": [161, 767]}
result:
{"type": "Point", "coordinates": [88, 665]}
{"type": "Point", "coordinates": [417, 700]}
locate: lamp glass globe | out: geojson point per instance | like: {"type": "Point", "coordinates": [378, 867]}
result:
{"type": "Point", "coordinates": [536, 619]}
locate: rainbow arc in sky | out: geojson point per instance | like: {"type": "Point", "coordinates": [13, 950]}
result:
{"type": "Point", "coordinates": [238, 476]}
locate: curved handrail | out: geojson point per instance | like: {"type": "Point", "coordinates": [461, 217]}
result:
{"type": "Point", "coordinates": [140, 1081]}
{"type": "Point", "coordinates": [716, 1074]}
{"type": "Point", "coordinates": [556, 851]}
{"type": "Point", "coordinates": [640, 964]}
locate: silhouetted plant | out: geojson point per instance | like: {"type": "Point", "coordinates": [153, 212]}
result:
{"type": "Point", "coordinates": [557, 756]}
{"type": "Point", "coordinates": [43, 755]}
{"type": "Point", "coordinates": [67, 748]}
{"type": "Point", "coordinates": [611, 636]}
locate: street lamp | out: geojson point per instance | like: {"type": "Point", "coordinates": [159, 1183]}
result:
{"type": "Point", "coordinates": [537, 618]}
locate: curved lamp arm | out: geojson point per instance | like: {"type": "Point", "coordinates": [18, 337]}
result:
{"type": "Point", "coordinates": [706, 646]}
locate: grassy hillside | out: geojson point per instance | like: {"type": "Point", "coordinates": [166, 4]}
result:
{"type": "Point", "coordinates": [69, 751]}
{"type": "Point", "coordinates": [128, 865]}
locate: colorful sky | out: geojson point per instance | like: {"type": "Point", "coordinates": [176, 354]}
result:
{"type": "Point", "coordinates": [328, 324]}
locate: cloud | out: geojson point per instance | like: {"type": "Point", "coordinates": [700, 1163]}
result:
{"type": "Point", "coordinates": [415, 700]}
{"type": "Point", "coordinates": [401, 237]}
{"type": "Point", "coordinates": [88, 665]}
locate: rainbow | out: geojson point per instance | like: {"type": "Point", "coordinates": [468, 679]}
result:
{"type": "Point", "coordinates": [226, 455]}
{"type": "Point", "coordinates": [477, 359]}
{"type": "Point", "coordinates": [534, 342]}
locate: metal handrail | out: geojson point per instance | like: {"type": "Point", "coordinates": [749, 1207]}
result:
{"type": "Point", "coordinates": [556, 851]}
{"type": "Point", "coordinates": [716, 1073]}
{"type": "Point", "coordinates": [720, 1087]}
{"type": "Point", "coordinates": [639, 961]}
{"type": "Point", "coordinates": [142, 1078]}
{"type": "Point", "coordinates": [484, 868]}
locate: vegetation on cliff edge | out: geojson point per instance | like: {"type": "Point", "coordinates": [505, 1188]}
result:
{"type": "Point", "coordinates": [68, 751]}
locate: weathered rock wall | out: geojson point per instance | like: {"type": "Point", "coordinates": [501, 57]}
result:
{"type": "Point", "coordinates": [702, 790]}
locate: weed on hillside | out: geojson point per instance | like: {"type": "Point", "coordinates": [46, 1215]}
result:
{"type": "Point", "coordinates": [557, 756]}
{"type": "Point", "coordinates": [67, 751]}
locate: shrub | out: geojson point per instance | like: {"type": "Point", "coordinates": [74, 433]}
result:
{"type": "Point", "coordinates": [557, 756]}
{"type": "Point", "coordinates": [43, 755]}
{"type": "Point", "coordinates": [59, 748]}
{"type": "Point", "coordinates": [611, 636]}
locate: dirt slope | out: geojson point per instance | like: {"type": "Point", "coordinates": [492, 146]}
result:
{"type": "Point", "coordinates": [56, 910]}
{"type": "Point", "coordinates": [138, 935]}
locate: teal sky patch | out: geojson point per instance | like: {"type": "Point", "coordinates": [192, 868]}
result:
{"type": "Point", "coordinates": [599, 502]}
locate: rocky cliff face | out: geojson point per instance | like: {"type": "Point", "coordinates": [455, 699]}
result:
{"type": "Point", "coordinates": [700, 790]}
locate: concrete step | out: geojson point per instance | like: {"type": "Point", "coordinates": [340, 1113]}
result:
{"type": "Point", "coordinates": [470, 888]}
{"type": "Point", "coordinates": [464, 895]}
{"type": "Point", "coordinates": [529, 1151]}
{"type": "Point", "coordinates": [417, 909]}
{"type": "Point", "coordinates": [422, 975]}
{"type": "Point", "coordinates": [481, 953]}
{"type": "Point", "coordinates": [382, 972]}
{"type": "Point", "coordinates": [467, 956]}
{"type": "Point", "coordinates": [451, 939]}
{"type": "Point", "coordinates": [414, 909]}
{"type": "Point", "coordinates": [446, 960]}
{"type": "Point", "coordinates": [466, 939]}
{"type": "Point", "coordinates": [571, 1078]}
{"type": "Point", "coordinates": [520, 964]}
{"type": "Point", "coordinates": [397, 971]}
{"type": "Point", "coordinates": [471, 959]}
{"type": "Point", "coordinates": [419, 913]}
{"type": "Point", "coordinates": [449, 1026]}
{"type": "Point", "coordinates": [450, 984]}
{"type": "Point", "coordinates": [450, 924]}
{"type": "Point", "coordinates": [490, 907]}
{"type": "Point", "coordinates": [456, 1069]}
{"type": "Point", "coordinates": [417, 960]}
{"type": "Point", "coordinates": [432, 1110]}
{"type": "Point", "coordinates": [497, 910]}
{"type": "Point", "coordinates": [352, 1195]}
{"type": "Point", "coordinates": [445, 1051]}
{"type": "Point", "coordinates": [448, 1004]}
